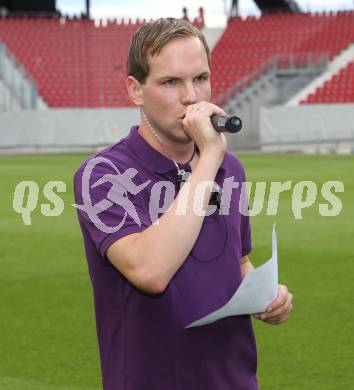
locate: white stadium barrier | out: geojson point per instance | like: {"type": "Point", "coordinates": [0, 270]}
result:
{"type": "Point", "coordinates": [315, 128]}
{"type": "Point", "coordinates": [63, 130]}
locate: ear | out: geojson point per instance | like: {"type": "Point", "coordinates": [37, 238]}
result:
{"type": "Point", "coordinates": [135, 91]}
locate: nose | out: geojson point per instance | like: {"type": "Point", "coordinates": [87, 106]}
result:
{"type": "Point", "coordinates": [189, 94]}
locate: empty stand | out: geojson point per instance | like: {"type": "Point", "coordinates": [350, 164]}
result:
{"type": "Point", "coordinates": [248, 44]}
{"type": "Point", "coordinates": [339, 89]}
{"type": "Point", "coordinates": [78, 63]}
{"type": "Point", "coordinates": [75, 63]}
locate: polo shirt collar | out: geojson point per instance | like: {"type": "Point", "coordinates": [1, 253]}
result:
{"type": "Point", "coordinates": [157, 161]}
{"type": "Point", "coordinates": [144, 151]}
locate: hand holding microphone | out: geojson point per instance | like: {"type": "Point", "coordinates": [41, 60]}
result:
{"type": "Point", "coordinates": [221, 123]}
{"type": "Point", "coordinates": [205, 123]}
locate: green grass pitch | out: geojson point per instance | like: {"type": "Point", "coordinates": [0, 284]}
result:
{"type": "Point", "coordinates": [47, 329]}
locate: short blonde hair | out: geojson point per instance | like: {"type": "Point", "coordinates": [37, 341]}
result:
{"type": "Point", "coordinates": [152, 37]}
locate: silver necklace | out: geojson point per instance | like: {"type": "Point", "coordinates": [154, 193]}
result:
{"type": "Point", "coordinates": [181, 173]}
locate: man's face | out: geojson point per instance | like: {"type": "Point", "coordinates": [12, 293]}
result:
{"type": "Point", "coordinates": [179, 76]}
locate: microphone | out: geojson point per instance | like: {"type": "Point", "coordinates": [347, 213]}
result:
{"type": "Point", "coordinates": [229, 124]}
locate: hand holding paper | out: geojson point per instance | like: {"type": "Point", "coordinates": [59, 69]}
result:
{"type": "Point", "coordinates": [257, 290]}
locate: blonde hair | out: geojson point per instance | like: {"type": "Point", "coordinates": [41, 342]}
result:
{"type": "Point", "coordinates": [152, 37]}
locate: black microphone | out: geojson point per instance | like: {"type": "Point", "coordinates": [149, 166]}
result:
{"type": "Point", "coordinates": [229, 124]}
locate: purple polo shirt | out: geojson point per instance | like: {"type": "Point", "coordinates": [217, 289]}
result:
{"type": "Point", "coordinates": [142, 337]}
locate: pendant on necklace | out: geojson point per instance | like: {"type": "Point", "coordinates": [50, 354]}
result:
{"type": "Point", "coordinates": [182, 176]}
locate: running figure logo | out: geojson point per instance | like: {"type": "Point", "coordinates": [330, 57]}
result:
{"type": "Point", "coordinates": [122, 184]}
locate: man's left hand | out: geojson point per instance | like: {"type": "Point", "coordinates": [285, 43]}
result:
{"type": "Point", "coordinates": [279, 310]}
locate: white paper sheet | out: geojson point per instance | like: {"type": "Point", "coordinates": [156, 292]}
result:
{"type": "Point", "coordinates": [257, 290]}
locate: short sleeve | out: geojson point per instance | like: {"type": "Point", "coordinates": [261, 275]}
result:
{"type": "Point", "coordinates": [109, 204]}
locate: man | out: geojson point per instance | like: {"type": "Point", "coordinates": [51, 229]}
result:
{"type": "Point", "coordinates": [160, 267]}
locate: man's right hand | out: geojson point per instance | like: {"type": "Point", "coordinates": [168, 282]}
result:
{"type": "Point", "coordinates": [197, 125]}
